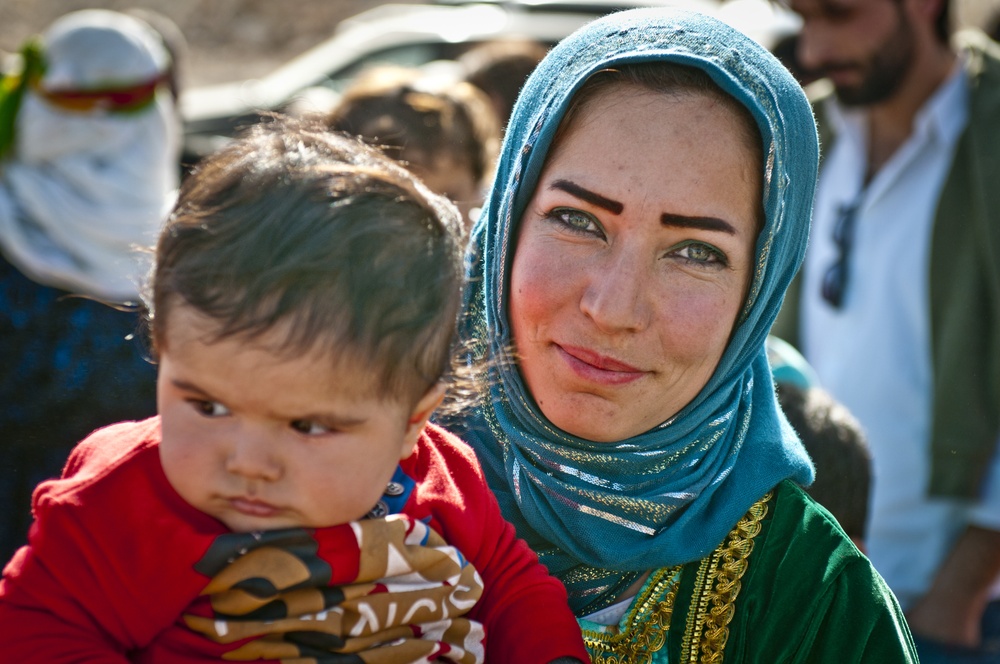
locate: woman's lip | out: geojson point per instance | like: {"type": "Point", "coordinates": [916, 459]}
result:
{"type": "Point", "coordinates": [596, 367]}
{"type": "Point", "coordinates": [253, 507]}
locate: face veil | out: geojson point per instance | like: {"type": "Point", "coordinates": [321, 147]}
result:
{"type": "Point", "coordinates": [667, 496]}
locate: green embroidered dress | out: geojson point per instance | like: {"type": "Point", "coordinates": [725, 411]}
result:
{"type": "Point", "coordinates": [787, 560]}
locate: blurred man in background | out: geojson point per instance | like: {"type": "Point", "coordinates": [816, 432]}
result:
{"type": "Point", "coordinates": [900, 297]}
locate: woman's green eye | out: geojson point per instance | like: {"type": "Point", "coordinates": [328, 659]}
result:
{"type": "Point", "coordinates": [575, 219]}
{"type": "Point", "coordinates": [699, 252]}
{"type": "Point", "coordinates": [702, 254]}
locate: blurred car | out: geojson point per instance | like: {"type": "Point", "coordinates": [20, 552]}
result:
{"type": "Point", "coordinates": [418, 34]}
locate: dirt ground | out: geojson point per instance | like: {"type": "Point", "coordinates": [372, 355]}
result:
{"type": "Point", "coordinates": [226, 39]}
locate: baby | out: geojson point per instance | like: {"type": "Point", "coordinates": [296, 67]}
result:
{"type": "Point", "coordinates": [290, 502]}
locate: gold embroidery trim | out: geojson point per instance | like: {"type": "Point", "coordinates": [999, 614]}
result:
{"type": "Point", "coordinates": [648, 621]}
{"type": "Point", "coordinates": [716, 586]}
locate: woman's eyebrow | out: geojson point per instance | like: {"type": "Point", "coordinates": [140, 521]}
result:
{"type": "Point", "coordinates": [703, 223]}
{"type": "Point", "coordinates": [592, 197]}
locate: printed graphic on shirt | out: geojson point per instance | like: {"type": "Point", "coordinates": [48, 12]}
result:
{"type": "Point", "coordinates": [373, 592]}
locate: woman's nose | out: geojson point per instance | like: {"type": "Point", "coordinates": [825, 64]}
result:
{"type": "Point", "coordinates": [616, 297]}
{"type": "Point", "coordinates": [252, 456]}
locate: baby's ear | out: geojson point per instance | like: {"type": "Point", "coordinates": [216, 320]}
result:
{"type": "Point", "coordinates": [420, 414]}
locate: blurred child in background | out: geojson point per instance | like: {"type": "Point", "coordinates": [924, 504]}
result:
{"type": "Point", "coordinates": [443, 130]}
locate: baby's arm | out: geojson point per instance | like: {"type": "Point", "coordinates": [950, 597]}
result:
{"type": "Point", "coordinates": [524, 610]}
{"type": "Point", "coordinates": [104, 571]}
{"type": "Point", "coordinates": [41, 622]}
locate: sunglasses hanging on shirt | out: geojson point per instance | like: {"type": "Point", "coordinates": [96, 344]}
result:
{"type": "Point", "coordinates": [835, 279]}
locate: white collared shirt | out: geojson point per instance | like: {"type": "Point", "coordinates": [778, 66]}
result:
{"type": "Point", "coordinates": [874, 353]}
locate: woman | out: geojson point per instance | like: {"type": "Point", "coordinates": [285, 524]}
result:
{"type": "Point", "coordinates": [89, 147]}
{"type": "Point", "coordinates": [650, 208]}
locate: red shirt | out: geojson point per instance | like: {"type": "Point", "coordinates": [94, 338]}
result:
{"type": "Point", "coordinates": [117, 561]}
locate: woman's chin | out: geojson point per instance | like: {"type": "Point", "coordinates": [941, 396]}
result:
{"type": "Point", "coordinates": [603, 418]}
{"type": "Point", "coordinates": [596, 422]}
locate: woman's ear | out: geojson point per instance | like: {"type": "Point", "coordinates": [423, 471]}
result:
{"type": "Point", "coordinates": [419, 416]}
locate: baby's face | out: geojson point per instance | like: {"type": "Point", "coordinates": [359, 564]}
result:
{"type": "Point", "coordinates": [260, 441]}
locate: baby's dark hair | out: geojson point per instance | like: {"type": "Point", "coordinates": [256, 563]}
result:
{"type": "Point", "coordinates": [295, 228]}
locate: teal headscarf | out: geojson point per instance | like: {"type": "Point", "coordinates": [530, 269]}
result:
{"type": "Point", "coordinates": [600, 514]}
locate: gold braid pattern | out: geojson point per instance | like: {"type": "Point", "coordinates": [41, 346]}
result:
{"type": "Point", "coordinates": [716, 586]}
{"type": "Point", "coordinates": [717, 583]}
{"type": "Point", "coordinates": [648, 622]}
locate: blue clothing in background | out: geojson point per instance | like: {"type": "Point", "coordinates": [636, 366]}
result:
{"type": "Point", "coordinates": [70, 365]}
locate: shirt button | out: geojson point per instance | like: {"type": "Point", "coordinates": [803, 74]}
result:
{"type": "Point", "coordinates": [379, 511]}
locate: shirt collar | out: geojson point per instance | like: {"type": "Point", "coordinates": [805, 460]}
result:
{"type": "Point", "coordinates": [946, 113]}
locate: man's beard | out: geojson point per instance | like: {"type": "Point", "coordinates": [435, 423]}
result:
{"type": "Point", "coordinates": [885, 69]}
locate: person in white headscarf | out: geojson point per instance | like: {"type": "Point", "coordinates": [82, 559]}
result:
{"type": "Point", "coordinates": [89, 165]}
{"type": "Point", "coordinates": [93, 164]}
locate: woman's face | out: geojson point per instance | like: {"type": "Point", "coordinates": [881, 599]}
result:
{"type": "Point", "coordinates": [633, 260]}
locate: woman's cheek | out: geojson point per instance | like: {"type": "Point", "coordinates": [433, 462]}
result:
{"type": "Point", "coordinates": [697, 323]}
{"type": "Point", "coordinates": [536, 289]}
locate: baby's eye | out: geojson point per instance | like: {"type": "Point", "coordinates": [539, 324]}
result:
{"type": "Point", "coordinates": [209, 408]}
{"type": "Point", "coordinates": [310, 428]}
{"type": "Point", "coordinates": [697, 252]}
{"type": "Point", "coordinates": [575, 220]}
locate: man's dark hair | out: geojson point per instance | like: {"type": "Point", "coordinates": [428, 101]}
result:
{"type": "Point", "coordinates": [942, 23]}
{"type": "Point", "coordinates": [298, 229]}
